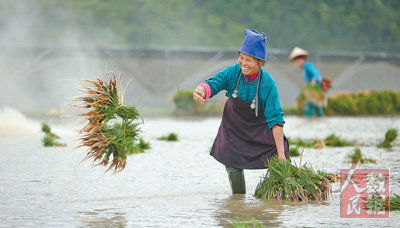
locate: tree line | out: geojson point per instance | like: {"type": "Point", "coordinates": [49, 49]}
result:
{"type": "Point", "coordinates": [368, 25]}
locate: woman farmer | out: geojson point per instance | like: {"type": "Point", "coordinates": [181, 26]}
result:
{"type": "Point", "coordinates": [251, 130]}
{"type": "Point", "coordinates": [314, 100]}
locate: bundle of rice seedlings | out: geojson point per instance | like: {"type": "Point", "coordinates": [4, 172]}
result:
{"type": "Point", "coordinates": [342, 103]}
{"type": "Point", "coordinates": [314, 94]}
{"type": "Point", "coordinates": [172, 137]}
{"type": "Point", "coordinates": [390, 136]}
{"type": "Point", "coordinates": [112, 128]}
{"type": "Point", "coordinates": [357, 156]}
{"type": "Point", "coordinates": [50, 139]}
{"type": "Point", "coordinates": [310, 93]}
{"type": "Point", "coordinates": [377, 203]}
{"type": "Point", "coordinates": [335, 141]}
{"type": "Point", "coordinates": [364, 102]}
{"type": "Point", "coordinates": [289, 182]}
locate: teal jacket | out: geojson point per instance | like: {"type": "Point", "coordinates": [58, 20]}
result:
{"type": "Point", "coordinates": [311, 73]}
{"type": "Point", "coordinates": [268, 97]}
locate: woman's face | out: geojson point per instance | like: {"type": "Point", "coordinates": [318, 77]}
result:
{"type": "Point", "coordinates": [300, 62]}
{"type": "Point", "coordinates": [248, 64]}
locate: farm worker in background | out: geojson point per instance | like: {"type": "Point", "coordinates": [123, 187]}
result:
{"type": "Point", "coordinates": [251, 130]}
{"type": "Point", "coordinates": [314, 101]}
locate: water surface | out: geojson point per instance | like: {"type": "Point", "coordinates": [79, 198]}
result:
{"type": "Point", "coordinates": [174, 184]}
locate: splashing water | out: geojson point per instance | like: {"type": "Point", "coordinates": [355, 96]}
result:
{"type": "Point", "coordinates": [14, 123]}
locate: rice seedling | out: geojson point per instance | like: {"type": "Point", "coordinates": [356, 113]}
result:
{"type": "Point", "coordinates": [390, 136]}
{"type": "Point", "coordinates": [289, 182]}
{"type": "Point", "coordinates": [302, 143]}
{"type": "Point", "coordinates": [395, 202]}
{"type": "Point", "coordinates": [335, 141]}
{"type": "Point", "coordinates": [112, 128]}
{"type": "Point", "coordinates": [319, 144]}
{"type": "Point", "coordinates": [376, 203]}
{"type": "Point", "coordinates": [294, 151]}
{"type": "Point", "coordinates": [171, 137]}
{"type": "Point", "coordinates": [332, 177]}
{"type": "Point", "coordinates": [253, 223]}
{"type": "Point", "coordinates": [357, 156]}
{"type": "Point", "coordinates": [50, 139]}
{"type": "Point", "coordinates": [141, 146]}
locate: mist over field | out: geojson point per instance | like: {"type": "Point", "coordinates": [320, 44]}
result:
{"type": "Point", "coordinates": [45, 46]}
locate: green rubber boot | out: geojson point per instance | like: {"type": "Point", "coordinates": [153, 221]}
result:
{"type": "Point", "coordinates": [236, 179]}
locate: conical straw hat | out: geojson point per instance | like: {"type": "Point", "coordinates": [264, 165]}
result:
{"type": "Point", "coordinates": [297, 52]}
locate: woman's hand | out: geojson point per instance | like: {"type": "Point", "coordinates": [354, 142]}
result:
{"type": "Point", "coordinates": [277, 132]}
{"type": "Point", "coordinates": [198, 95]}
{"type": "Point", "coordinates": [281, 155]}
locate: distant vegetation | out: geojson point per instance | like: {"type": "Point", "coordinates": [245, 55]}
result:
{"type": "Point", "coordinates": [370, 25]}
{"type": "Point", "coordinates": [364, 103]}
{"type": "Point", "coordinates": [185, 105]}
{"type": "Point", "coordinates": [184, 102]}
{"type": "Point", "coordinates": [373, 102]}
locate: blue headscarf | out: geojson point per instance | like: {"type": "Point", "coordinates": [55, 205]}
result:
{"type": "Point", "coordinates": [254, 44]}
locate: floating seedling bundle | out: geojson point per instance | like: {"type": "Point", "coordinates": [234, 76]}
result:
{"type": "Point", "coordinates": [289, 182]}
{"type": "Point", "coordinates": [171, 137]}
{"type": "Point", "coordinates": [112, 128]}
{"type": "Point", "coordinates": [390, 136]}
{"type": "Point", "coordinates": [335, 141]}
{"type": "Point", "coordinates": [50, 139]}
{"type": "Point", "coordinates": [358, 156]}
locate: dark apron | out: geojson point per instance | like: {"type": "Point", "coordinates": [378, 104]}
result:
{"type": "Point", "coordinates": [244, 140]}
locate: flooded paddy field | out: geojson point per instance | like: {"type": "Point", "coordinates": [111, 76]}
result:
{"type": "Point", "coordinates": [174, 184]}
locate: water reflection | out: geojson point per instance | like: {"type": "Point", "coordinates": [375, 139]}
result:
{"type": "Point", "coordinates": [103, 218]}
{"type": "Point", "coordinates": [267, 212]}
{"type": "Point", "coordinates": [241, 207]}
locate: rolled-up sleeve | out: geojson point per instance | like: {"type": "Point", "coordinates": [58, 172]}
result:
{"type": "Point", "coordinates": [273, 110]}
{"type": "Point", "coordinates": [219, 81]}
